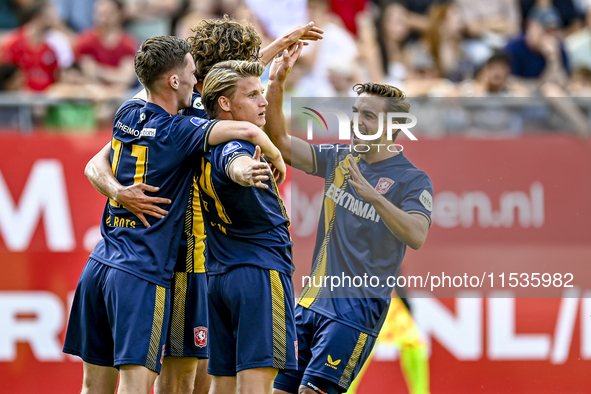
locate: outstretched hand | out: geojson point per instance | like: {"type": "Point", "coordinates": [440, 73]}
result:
{"type": "Point", "coordinates": [255, 173]}
{"type": "Point", "coordinates": [134, 199]}
{"type": "Point", "coordinates": [284, 62]}
{"type": "Point", "coordinates": [304, 33]}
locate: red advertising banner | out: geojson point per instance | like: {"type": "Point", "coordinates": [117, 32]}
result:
{"type": "Point", "coordinates": [502, 206]}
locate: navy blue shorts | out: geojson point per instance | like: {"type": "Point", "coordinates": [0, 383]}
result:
{"type": "Point", "coordinates": [187, 330]}
{"type": "Point", "coordinates": [330, 354]}
{"type": "Point", "coordinates": [251, 321]}
{"type": "Point", "coordinates": [117, 318]}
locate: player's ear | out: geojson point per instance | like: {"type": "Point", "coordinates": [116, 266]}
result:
{"type": "Point", "coordinates": [173, 81]}
{"type": "Point", "coordinates": [224, 103]}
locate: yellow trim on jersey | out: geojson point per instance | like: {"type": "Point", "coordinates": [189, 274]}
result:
{"type": "Point", "coordinates": [279, 199]}
{"type": "Point", "coordinates": [314, 161]}
{"type": "Point", "coordinates": [198, 232]}
{"type": "Point", "coordinates": [346, 376]}
{"type": "Point", "coordinates": [194, 232]}
{"type": "Point", "coordinates": [154, 349]}
{"type": "Point", "coordinates": [177, 326]}
{"type": "Point", "coordinates": [279, 329]}
{"type": "Point", "coordinates": [314, 286]}
{"type": "Point", "coordinates": [206, 186]}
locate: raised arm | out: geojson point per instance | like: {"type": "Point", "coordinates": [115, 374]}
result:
{"type": "Point", "coordinates": [307, 32]}
{"type": "Point", "coordinates": [295, 151]}
{"type": "Point", "coordinates": [133, 198]}
{"type": "Point", "coordinates": [409, 228]}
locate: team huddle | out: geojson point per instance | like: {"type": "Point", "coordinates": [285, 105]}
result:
{"type": "Point", "coordinates": [190, 290]}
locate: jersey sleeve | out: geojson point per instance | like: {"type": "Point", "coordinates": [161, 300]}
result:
{"type": "Point", "coordinates": [324, 158]}
{"type": "Point", "coordinates": [226, 154]}
{"type": "Point", "coordinates": [190, 135]}
{"type": "Point", "coordinates": [418, 196]}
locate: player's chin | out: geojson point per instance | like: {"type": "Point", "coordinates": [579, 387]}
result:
{"type": "Point", "coordinates": [260, 121]}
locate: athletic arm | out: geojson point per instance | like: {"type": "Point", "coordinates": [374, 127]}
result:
{"type": "Point", "coordinates": [295, 151]}
{"type": "Point", "coordinates": [229, 130]}
{"type": "Point", "coordinates": [409, 228]}
{"type": "Point", "coordinates": [249, 171]}
{"type": "Point", "coordinates": [100, 174]}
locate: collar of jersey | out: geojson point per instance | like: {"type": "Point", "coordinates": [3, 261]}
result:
{"type": "Point", "coordinates": [155, 108]}
{"type": "Point", "coordinates": [386, 162]}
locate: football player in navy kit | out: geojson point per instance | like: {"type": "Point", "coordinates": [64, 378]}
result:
{"type": "Point", "coordinates": [213, 41]}
{"type": "Point", "coordinates": [121, 306]}
{"type": "Point", "coordinates": [375, 204]}
{"type": "Point", "coordinates": [249, 262]}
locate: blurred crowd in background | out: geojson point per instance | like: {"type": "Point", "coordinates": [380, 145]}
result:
{"type": "Point", "coordinates": [79, 53]}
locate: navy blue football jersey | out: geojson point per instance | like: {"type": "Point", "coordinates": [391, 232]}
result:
{"type": "Point", "coordinates": [244, 225]}
{"type": "Point", "coordinates": [352, 240]}
{"type": "Point", "coordinates": [150, 146]}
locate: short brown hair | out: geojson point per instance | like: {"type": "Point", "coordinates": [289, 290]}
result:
{"type": "Point", "coordinates": [158, 55]}
{"type": "Point", "coordinates": [222, 80]}
{"type": "Point", "coordinates": [398, 102]}
{"type": "Point", "coordinates": [215, 41]}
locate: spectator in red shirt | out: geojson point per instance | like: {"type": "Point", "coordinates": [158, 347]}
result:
{"type": "Point", "coordinates": [31, 48]}
{"type": "Point", "coordinates": [106, 52]}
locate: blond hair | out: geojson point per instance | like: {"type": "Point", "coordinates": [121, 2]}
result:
{"type": "Point", "coordinates": [222, 80]}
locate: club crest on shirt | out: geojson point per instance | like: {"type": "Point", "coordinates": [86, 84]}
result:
{"type": "Point", "coordinates": [384, 184]}
{"type": "Point", "coordinates": [231, 147]}
{"type": "Point", "coordinates": [197, 104]}
{"type": "Point", "coordinates": [200, 336]}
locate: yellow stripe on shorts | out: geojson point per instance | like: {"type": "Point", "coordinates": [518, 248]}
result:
{"type": "Point", "coordinates": [346, 376]}
{"type": "Point", "coordinates": [156, 335]}
{"type": "Point", "coordinates": [177, 327]}
{"type": "Point", "coordinates": [279, 330]}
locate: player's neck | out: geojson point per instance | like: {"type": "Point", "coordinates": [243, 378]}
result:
{"type": "Point", "coordinates": [169, 104]}
{"type": "Point", "coordinates": [199, 87]}
{"type": "Point", "coordinates": [375, 156]}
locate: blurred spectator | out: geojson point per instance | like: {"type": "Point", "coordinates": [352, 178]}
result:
{"type": "Point", "coordinates": [580, 83]}
{"type": "Point", "coordinates": [342, 78]}
{"type": "Point", "coordinates": [492, 21]}
{"type": "Point", "coordinates": [578, 45]}
{"type": "Point", "coordinates": [9, 12]}
{"type": "Point", "coordinates": [337, 45]}
{"type": "Point", "coordinates": [76, 14]}
{"type": "Point", "coordinates": [11, 78]}
{"type": "Point", "coordinates": [150, 18]}
{"type": "Point", "coordinates": [393, 33]}
{"type": "Point", "coordinates": [567, 11]}
{"type": "Point", "coordinates": [494, 78]}
{"type": "Point", "coordinates": [276, 16]}
{"type": "Point", "coordinates": [539, 53]}
{"type": "Point", "coordinates": [37, 48]}
{"type": "Point", "coordinates": [489, 25]}
{"type": "Point", "coordinates": [75, 108]}
{"type": "Point", "coordinates": [444, 44]}
{"type": "Point", "coordinates": [347, 10]}
{"type": "Point", "coordinates": [418, 12]}
{"type": "Point", "coordinates": [106, 52]}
